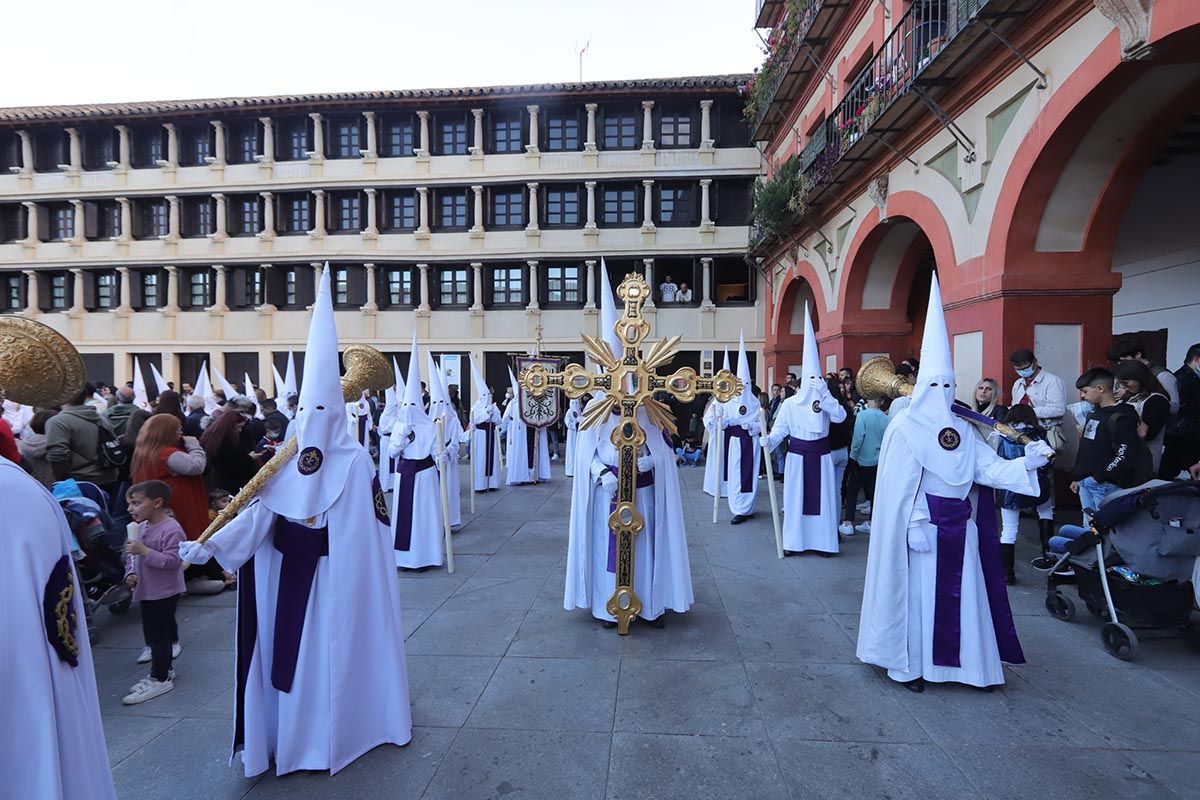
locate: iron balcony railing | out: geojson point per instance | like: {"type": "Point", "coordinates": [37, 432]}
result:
{"type": "Point", "coordinates": [783, 65]}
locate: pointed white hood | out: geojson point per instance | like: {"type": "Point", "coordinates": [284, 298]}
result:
{"type": "Point", "coordinates": [743, 373]}
{"type": "Point", "coordinates": [725, 360]}
{"type": "Point", "coordinates": [289, 378]}
{"type": "Point", "coordinates": [483, 395]}
{"type": "Point", "coordinates": [160, 383]}
{"type": "Point", "coordinates": [224, 385]}
{"type": "Point", "coordinates": [310, 483]}
{"type": "Point", "coordinates": [280, 391]}
{"type": "Point", "coordinates": [439, 396]}
{"type": "Point", "coordinates": [812, 378]}
{"type": "Point", "coordinates": [412, 410]}
{"type": "Point", "coordinates": [204, 389]}
{"type": "Point", "coordinates": [139, 386]}
{"type": "Point", "coordinates": [608, 312]}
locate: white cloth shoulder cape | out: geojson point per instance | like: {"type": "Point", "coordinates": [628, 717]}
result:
{"type": "Point", "coordinates": [426, 547]}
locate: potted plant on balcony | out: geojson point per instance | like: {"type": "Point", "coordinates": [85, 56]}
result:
{"type": "Point", "coordinates": [773, 195]}
{"type": "Point", "coordinates": [760, 89]}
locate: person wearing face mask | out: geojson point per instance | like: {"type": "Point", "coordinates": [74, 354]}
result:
{"type": "Point", "coordinates": [935, 605]}
{"type": "Point", "coordinates": [1047, 393]}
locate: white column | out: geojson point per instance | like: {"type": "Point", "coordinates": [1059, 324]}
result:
{"type": "Point", "coordinates": [268, 154]}
{"type": "Point", "coordinates": [706, 284]}
{"type": "Point", "coordinates": [172, 219]}
{"type": "Point", "coordinates": [589, 143]}
{"type": "Point", "coordinates": [268, 220]}
{"type": "Point", "coordinates": [371, 231]}
{"type": "Point", "coordinates": [31, 292]}
{"type": "Point", "coordinates": [647, 205]}
{"type": "Point", "coordinates": [221, 229]}
{"type": "Point", "coordinates": [76, 150]}
{"type": "Point", "coordinates": [217, 159]}
{"type": "Point", "coordinates": [423, 211]}
{"type": "Point", "coordinates": [318, 268]}
{"type": "Point", "coordinates": [126, 291]}
{"type": "Point", "coordinates": [533, 286]}
{"type": "Point", "coordinates": [371, 304]}
{"type": "Point", "coordinates": [372, 150]}
{"type": "Point", "coordinates": [318, 229]}
{"type": "Point", "coordinates": [424, 306]}
{"type": "Point", "coordinates": [172, 161]}
{"type": "Point", "coordinates": [31, 221]}
{"type": "Point", "coordinates": [78, 232]}
{"type": "Point", "coordinates": [647, 125]}
{"type": "Point", "coordinates": [648, 269]}
{"type": "Point", "coordinates": [123, 148]}
{"type": "Point", "coordinates": [477, 276]}
{"type": "Point", "coordinates": [477, 228]}
{"type": "Point", "coordinates": [318, 151]}
{"type": "Point", "coordinates": [264, 270]}
{"type": "Point", "coordinates": [77, 300]}
{"type": "Point", "coordinates": [477, 149]}
{"type": "Point", "coordinates": [706, 140]}
{"type": "Point", "coordinates": [532, 227]}
{"type": "Point", "coordinates": [219, 292]}
{"type": "Point", "coordinates": [591, 285]}
{"type": "Point", "coordinates": [591, 205]}
{"type": "Point", "coordinates": [26, 153]}
{"type": "Point", "coordinates": [532, 147]}
{"type": "Point", "coordinates": [705, 221]}
{"type": "Point", "coordinates": [126, 234]}
{"type": "Point", "coordinates": [423, 119]}
{"type": "Point", "coordinates": [172, 291]}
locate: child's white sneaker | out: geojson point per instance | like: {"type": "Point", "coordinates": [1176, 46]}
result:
{"type": "Point", "coordinates": [846, 529]}
{"type": "Point", "coordinates": [863, 527]}
{"type": "Point", "coordinates": [147, 689]}
{"type": "Point", "coordinates": [144, 657]}
{"type": "Point", "coordinates": [176, 649]}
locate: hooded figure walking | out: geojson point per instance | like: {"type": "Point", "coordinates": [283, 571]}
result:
{"type": "Point", "coordinates": [320, 642]}
{"type": "Point", "coordinates": [484, 436]}
{"type": "Point", "coordinates": [935, 605]}
{"type": "Point", "coordinates": [440, 407]}
{"type": "Point", "coordinates": [742, 428]}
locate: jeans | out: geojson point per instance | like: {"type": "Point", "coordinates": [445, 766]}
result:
{"type": "Point", "coordinates": [1066, 535]}
{"type": "Point", "coordinates": [858, 478]}
{"type": "Point", "coordinates": [1092, 494]}
{"type": "Point", "coordinates": [160, 630]}
{"type": "Point", "coordinates": [692, 458]}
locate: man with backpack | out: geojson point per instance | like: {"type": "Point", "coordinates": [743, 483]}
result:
{"type": "Point", "coordinates": [1111, 454]}
{"type": "Point", "coordinates": [80, 444]}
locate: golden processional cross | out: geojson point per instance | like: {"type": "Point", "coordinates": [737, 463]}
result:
{"type": "Point", "coordinates": [629, 381]}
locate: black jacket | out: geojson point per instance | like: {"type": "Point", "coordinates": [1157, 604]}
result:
{"type": "Point", "coordinates": [191, 423]}
{"type": "Point", "coordinates": [1109, 446]}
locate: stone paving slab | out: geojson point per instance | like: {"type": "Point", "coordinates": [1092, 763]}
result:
{"type": "Point", "coordinates": [756, 693]}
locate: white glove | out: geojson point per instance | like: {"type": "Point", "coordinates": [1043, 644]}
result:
{"type": "Point", "coordinates": [645, 463]}
{"type": "Point", "coordinates": [917, 540]}
{"type": "Point", "coordinates": [1037, 455]}
{"type": "Point", "coordinates": [754, 428]}
{"type": "Point", "coordinates": [608, 482]}
{"type": "Point", "coordinates": [194, 553]}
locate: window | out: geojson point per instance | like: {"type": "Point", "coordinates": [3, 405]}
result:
{"type": "Point", "coordinates": [194, 146]}
{"type": "Point", "coordinates": [733, 281]}
{"type": "Point", "coordinates": [150, 296]}
{"type": "Point", "coordinates": [59, 298]}
{"type": "Point", "coordinates": [12, 222]}
{"type": "Point", "coordinates": [400, 211]}
{"type": "Point", "coordinates": [620, 130]}
{"type": "Point", "coordinates": [619, 205]}
{"type": "Point", "coordinates": [508, 286]}
{"type": "Point", "coordinates": [13, 295]}
{"type": "Point", "coordinates": [562, 131]}
{"type": "Point", "coordinates": [507, 207]}
{"type": "Point", "coordinates": [108, 219]}
{"type": "Point", "coordinates": [243, 142]}
{"type": "Point", "coordinates": [198, 289]}
{"type": "Point", "coordinates": [198, 215]}
{"type": "Point", "coordinates": [347, 137]}
{"type": "Point", "coordinates": [245, 216]}
{"type": "Point", "coordinates": [452, 136]}
{"type": "Point", "coordinates": [452, 210]}
{"type": "Point", "coordinates": [252, 284]}
{"type": "Point", "coordinates": [289, 288]}
{"type": "Point", "coordinates": [399, 287]}
{"type": "Point", "coordinates": [106, 290]}
{"type": "Point", "coordinates": [49, 150]}
{"type": "Point", "coordinates": [155, 218]}
{"type": "Point", "coordinates": [98, 149]}
{"type": "Point", "coordinates": [563, 284]}
{"type": "Point", "coordinates": [676, 204]}
{"type": "Point", "coordinates": [505, 133]}
{"type": "Point", "coordinates": [452, 284]}
{"type": "Point", "coordinates": [296, 217]}
{"type": "Point", "coordinates": [341, 286]}
{"type": "Point", "coordinates": [562, 206]}
{"type": "Point", "coordinates": [398, 136]}
{"type": "Point", "coordinates": [62, 222]}
{"type": "Point", "coordinates": [293, 140]}
{"type": "Point", "coordinates": [346, 216]}
{"type": "Point", "coordinates": [675, 128]}
{"type": "Point", "coordinates": [148, 147]}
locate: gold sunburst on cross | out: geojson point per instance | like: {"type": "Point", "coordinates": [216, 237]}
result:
{"type": "Point", "coordinates": [629, 381]}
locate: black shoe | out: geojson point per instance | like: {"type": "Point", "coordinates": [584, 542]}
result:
{"type": "Point", "coordinates": [787, 553]}
{"type": "Point", "coordinates": [608, 624]}
{"type": "Point", "coordinates": [916, 686]}
{"type": "Point", "coordinates": [1008, 555]}
{"type": "Point", "coordinates": [1045, 531]}
{"type": "Point", "coordinates": [738, 519]}
{"type": "Point", "coordinates": [658, 623]}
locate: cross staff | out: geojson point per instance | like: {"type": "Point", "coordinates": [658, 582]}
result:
{"type": "Point", "coordinates": [629, 382]}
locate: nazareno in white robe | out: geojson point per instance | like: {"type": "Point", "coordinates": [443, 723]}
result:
{"type": "Point", "coordinates": [571, 420]}
{"type": "Point", "coordinates": [740, 502]}
{"type": "Point", "coordinates": [897, 623]}
{"type": "Point", "coordinates": [515, 431]}
{"type": "Point", "coordinates": [712, 477]}
{"type": "Point", "coordinates": [453, 482]}
{"type": "Point", "coordinates": [358, 423]}
{"type": "Point", "coordinates": [51, 736]}
{"type": "Point", "coordinates": [426, 545]}
{"type": "Point", "coordinates": [662, 575]}
{"type": "Point", "coordinates": [797, 418]}
{"type": "Point", "coordinates": [481, 413]}
{"type": "Point", "coordinates": [350, 690]}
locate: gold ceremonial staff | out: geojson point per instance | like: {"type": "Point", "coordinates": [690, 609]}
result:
{"type": "Point", "coordinates": [366, 368]}
{"type": "Point", "coordinates": [629, 382]}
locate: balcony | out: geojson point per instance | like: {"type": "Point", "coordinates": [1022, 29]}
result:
{"type": "Point", "coordinates": [932, 48]}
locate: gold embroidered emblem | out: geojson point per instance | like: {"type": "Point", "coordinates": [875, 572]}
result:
{"type": "Point", "coordinates": [949, 439]}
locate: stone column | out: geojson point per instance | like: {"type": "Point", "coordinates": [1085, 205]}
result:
{"type": "Point", "coordinates": [706, 140]}
{"type": "Point", "coordinates": [318, 229]}
{"type": "Point", "coordinates": [647, 125]}
{"type": "Point", "coordinates": [423, 308]}
{"type": "Point", "coordinates": [123, 148]}
{"type": "Point", "coordinates": [126, 306]}
{"type": "Point", "coordinates": [705, 207]}
{"type": "Point", "coordinates": [268, 220]}
{"type": "Point", "coordinates": [372, 150]}
{"type": "Point", "coordinates": [268, 154]}
{"type": "Point", "coordinates": [423, 119]}
{"type": "Point", "coordinates": [172, 161]}
{"type": "Point", "coordinates": [266, 306]}
{"type": "Point", "coordinates": [532, 147]}
{"type": "Point", "coordinates": [217, 159]}
{"type": "Point", "coordinates": [318, 268]}
{"type": "Point", "coordinates": [219, 306]}
{"type": "Point", "coordinates": [532, 227]}
{"type": "Point", "coordinates": [371, 231]}
{"type": "Point", "coordinates": [477, 148]}
{"type": "Point", "coordinates": [589, 143]}
{"type": "Point", "coordinates": [477, 276]}
{"type": "Point", "coordinates": [172, 219]}
{"type": "Point", "coordinates": [31, 222]}
{"type": "Point", "coordinates": [172, 305]}
{"type": "Point", "coordinates": [706, 284]}
{"type": "Point", "coordinates": [32, 300]}
{"type": "Point", "coordinates": [76, 150]}
{"type": "Point", "coordinates": [77, 301]}
{"type": "Point", "coordinates": [590, 225]}
{"type": "Point", "coordinates": [423, 212]}
{"type": "Point", "coordinates": [78, 224]}
{"type": "Point", "coordinates": [26, 152]}
{"type": "Point", "coordinates": [318, 151]}
{"type": "Point", "coordinates": [126, 234]}
{"type": "Point", "coordinates": [647, 205]}
{"type": "Point", "coordinates": [533, 286]}
{"type": "Point", "coordinates": [648, 269]}
{"type": "Point", "coordinates": [477, 228]}
{"type": "Point", "coordinates": [371, 305]}
{"type": "Point", "coordinates": [591, 285]}
{"type": "Point", "coordinates": [221, 228]}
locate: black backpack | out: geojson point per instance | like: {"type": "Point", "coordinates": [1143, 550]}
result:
{"type": "Point", "coordinates": [1141, 460]}
{"type": "Point", "coordinates": [110, 453]}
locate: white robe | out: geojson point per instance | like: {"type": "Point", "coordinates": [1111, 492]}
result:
{"type": "Point", "coordinates": [426, 546]}
{"type": "Point", "coordinates": [453, 482]}
{"type": "Point", "coordinates": [350, 691]}
{"type": "Point", "coordinates": [662, 576]}
{"type": "Point", "coordinates": [51, 737]}
{"type": "Point", "coordinates": [896, 625]}
{"type": "Point", "coordinates": [797, 419]}
{"type": "Point", "coordinates": [386, 421]}
{"type": "Point", "coordinates": [358, 416]}
{"type": "Point", "coordinates": [741, 503]}
{"type": "Point", "coordinates": [712, 476]}
{"type": "Point", "coordinates": [571, 421]}
{"type": "Point", "coordinates": [517, 451]}
{"type": "Point", "coordinates": [481, 481]}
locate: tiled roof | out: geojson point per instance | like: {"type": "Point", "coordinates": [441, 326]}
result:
{"type": "Point", "coordinates": [343, 99]}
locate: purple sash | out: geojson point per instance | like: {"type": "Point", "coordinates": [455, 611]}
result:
{"type": "Point", "coordinates": [301, 549]}
{"type": "Point", "coordinates": [950, 515]}
{"type": "Point", "coordinates": [531, 444]}
{"type": "Point", "coordinates": [247, 633]}
{"type": "Point", "coordinates": [644, 480]}
{"type": "Point", "coordinates": [489, 430]}
{"type": "Point", "coordinates": [362, 429]}
{"type": "Point", "coordinates": [409, 467]}
{"type": "Point", "coordinates": [746, 461]}
{"type": "Point", "coordinates": [811, 450]}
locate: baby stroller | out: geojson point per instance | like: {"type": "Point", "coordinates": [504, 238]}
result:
{"type": "Point", "coordinates": [1135, 565]}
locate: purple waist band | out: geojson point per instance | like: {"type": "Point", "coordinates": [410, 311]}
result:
{"type": "Point", "coordinates": [811, 450]}
{"type": "Point", "coordinates": [301, 549]}
{"type": "Point", "coordinates": [746, 459]}
{"type": "Point", "coordinates": [407, 469]}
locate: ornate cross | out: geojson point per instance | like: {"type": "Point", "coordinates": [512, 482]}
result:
{"type": "Point", "coordinates": [629, 381]}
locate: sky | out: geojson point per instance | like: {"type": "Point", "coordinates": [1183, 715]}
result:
{"type": "Point", "coordinates": [126, 50]}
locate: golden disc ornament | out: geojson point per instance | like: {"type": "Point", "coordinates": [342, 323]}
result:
{"type": "Point", "coordinates": [38, 366]}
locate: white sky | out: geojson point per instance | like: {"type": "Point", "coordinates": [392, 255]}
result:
{"type": "Point", "coordinates": [85, 51]}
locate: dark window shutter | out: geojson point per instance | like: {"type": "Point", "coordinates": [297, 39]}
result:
{"type": "Point", "coordinates": [43, 220]}
{"type": "Point", "coordinates": [275, 286]}
{"type": "Point", "coordinates": [89, 288]}
{"type": "Point", "coordinates": [237, 277]}
{"type": "Point", "coordinates": [91, 220]}
{"type": "Point", "coordinates": [357, 285]}
{"type": "Point", "coordinates": [136, 296]}
{"type": "Point", "coordinates": [136, 222]}
{"type": "Point", "coordinates": [43, 291]}
{"type": "Point", "coordinates": [304, 286]}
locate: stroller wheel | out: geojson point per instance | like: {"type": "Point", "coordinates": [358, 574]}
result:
{"type": "Point", "coordinates": [1119, 640]}
{"type": "Point", "coordinates": [1061, 606]}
